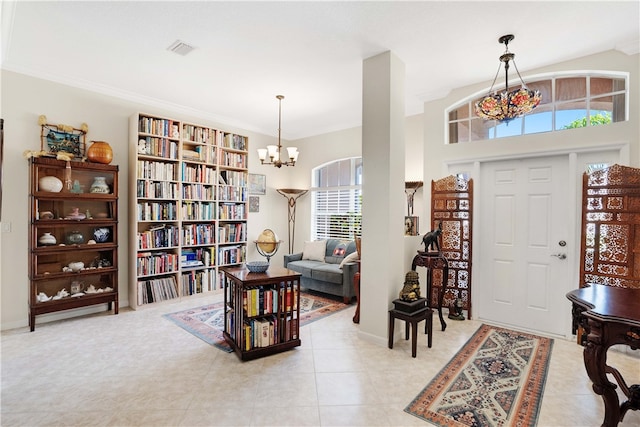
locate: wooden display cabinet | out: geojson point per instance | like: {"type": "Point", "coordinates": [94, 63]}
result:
{"type": "Point", "coordinates": [73, 236]}
{"type": "Point", "coordinates": [262, 311]}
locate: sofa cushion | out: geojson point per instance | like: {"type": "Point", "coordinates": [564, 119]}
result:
{"type": "Point", "coordinates": [327, 273]}
{"type": "Point", "coordinates": [304, 266]}
{"type": "Point", "coordinates": [352, 257]}
{"type": "Point", "coordinates": [333, 244]}
{"type": "Point", "coordinates": [314, 251]}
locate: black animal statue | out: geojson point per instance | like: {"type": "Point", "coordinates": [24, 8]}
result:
{"type": "Point", "coordinates": [430, 239]}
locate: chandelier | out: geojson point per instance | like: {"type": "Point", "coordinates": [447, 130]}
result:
{"type": "Point", "coordinates": [273, 151]}
{"type": "Point", "coordinates": [509, 104]}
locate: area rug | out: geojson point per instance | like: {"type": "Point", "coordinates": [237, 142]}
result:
{"type": "Point", "coordinates": [496, 379]}
{"type": "Point", "coordinates": [207, 322]}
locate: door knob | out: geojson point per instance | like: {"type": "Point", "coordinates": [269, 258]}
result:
{"type": "Point", "coordinates": [560, 256]}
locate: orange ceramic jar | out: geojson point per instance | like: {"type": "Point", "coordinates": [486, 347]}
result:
{"type": "Point", "coordinates": [100, 152]}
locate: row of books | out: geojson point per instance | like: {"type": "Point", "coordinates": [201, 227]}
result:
{"type": "Point", "coordinates": [159, 171]}
{"type": "Point", "coordinates": [235, 178]}
{"type": "Point", "coordinates": [234, 160]}
{"type": "Point", "coordinates": [231, 255]}
{"type": "Point", "coordinates": [160, 127]}
{"type": "Point", "coordinates": [157, 211]}
{"type": "Point", "coordinates": [236, 142]}
{"type": "Point", "coordinates": [198, 173]}
{"type": "Point", "coordinates": [232, 211]}
{"type": "Point", "coordinates": [232, 193]}
{"type": "Point", "coordinates": [259, 333]}
{"type": "Point", "coordinates": [196, 211]}
{"type": "Point", "coordinates": [160, 147]}
{"type": "Point", "coordinates": [198, 134]}
{"type": "Point", "coordinates": [197, 191]}
{"type": "Point", "coordinates": [195, 257]}
{"type": "Point", "coordinates": [155, 290]}
{"type": "Point", "coordinates": [232, 233]}
{"type": "Point", "coordinates": [161, 237]}
{"type": "Point", "coordinates": [259, 301]}
{"type": "Point", "coordinates": [156, 189]}
{"type": "Point", "coordinates": [197, 282]}
{"type": "Point", "coordinates": [151, 263]}
{"type": "Point", "coordinates": [198, 234]}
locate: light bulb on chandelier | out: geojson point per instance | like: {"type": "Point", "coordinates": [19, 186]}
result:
{"type": "Point", "coordinates": [273, 151]}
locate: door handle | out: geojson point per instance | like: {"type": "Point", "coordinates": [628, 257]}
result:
{"type": "Point", "coordinates": [560, 256]}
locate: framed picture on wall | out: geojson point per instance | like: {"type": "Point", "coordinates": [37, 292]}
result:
{"type": "Point", "coordinates": [411, 226]}
{"type": "Point", "coordinates": [254, 204]}
{"type": "Point", "coordinates": [257, 184]}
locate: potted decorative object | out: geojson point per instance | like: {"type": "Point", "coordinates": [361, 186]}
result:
{"type": "Point", "coordinates": [47, 239]}
{"type": "Point", "coordinates": [75, 238]}
{"type": "Point", "coordinates": [100, 152]}
{"type": "Point", "coordinates": [100, 185]}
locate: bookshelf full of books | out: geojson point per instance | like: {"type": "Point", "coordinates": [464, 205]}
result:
{"type": "Point", "coordinates": [262, 311]}
{"type": "Point", "coordinates": [189, 193]}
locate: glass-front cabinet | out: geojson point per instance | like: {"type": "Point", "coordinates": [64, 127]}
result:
{"type": "Point", "coordinates": [73, 237]}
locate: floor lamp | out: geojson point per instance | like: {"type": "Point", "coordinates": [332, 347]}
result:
{"type": "Point", "coordinates": [292, 195]}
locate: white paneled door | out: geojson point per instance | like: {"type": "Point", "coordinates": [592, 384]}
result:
{"type": "Point", "coordinates": [523, 242]}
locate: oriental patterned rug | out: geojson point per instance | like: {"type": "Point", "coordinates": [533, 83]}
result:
{"type": "Point", "coordinates": [496, 379]}
{"type": "Point", "coordinates": [207, 322]}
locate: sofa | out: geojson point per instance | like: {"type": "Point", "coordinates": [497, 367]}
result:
{"type": "Point", "coordinates": [327, 266]}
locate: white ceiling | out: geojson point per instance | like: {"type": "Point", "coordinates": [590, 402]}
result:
{"type": "Point", "coordinates": [310, 52]}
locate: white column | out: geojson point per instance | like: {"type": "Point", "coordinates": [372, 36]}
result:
{"type": "Point", "coordinates": [383, 197]}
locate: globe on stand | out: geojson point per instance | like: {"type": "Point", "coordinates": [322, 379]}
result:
{"type": "Point", "coordinates": [267, 244]}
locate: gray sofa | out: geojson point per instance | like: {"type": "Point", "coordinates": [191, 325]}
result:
{"type": "Point", "coordinates": [327, 276]}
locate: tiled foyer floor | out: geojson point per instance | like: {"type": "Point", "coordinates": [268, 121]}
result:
{"type": "Point", "coordinates": [139, 369]}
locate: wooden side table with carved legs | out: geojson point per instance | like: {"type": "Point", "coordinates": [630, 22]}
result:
{"type": "Point", "coordinates": [432, 261]}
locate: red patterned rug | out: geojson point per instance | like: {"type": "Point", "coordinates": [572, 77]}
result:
{"type": "Point", "coordinates": [496, 379]}
{"type": "Point", "coordinates": [207, 322]}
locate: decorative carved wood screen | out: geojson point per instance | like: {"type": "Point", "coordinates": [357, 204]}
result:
{"type": "Point", "coordinates": [452, 203]}
{"type": "Point", "coordinates": [610, 241]}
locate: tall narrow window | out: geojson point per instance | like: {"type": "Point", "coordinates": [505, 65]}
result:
{"type": "Point", "coordinates": [337, 199]}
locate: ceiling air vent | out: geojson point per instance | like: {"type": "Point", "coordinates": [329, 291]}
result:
{"type": "Point", "coordinates": [180, 47]}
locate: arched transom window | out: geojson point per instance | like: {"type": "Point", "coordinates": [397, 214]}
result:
{"type": "Point", "coordinates": [568, 102]}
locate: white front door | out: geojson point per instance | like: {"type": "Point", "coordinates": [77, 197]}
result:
{"type": "Point", "coordinates": [523, 241]}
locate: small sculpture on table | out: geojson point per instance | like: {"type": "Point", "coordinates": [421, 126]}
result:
{"type": "Point", "coordinates": [430, 239]}
{"type": "Point", "coordinates": [411, 290]}
{"type": "Point", "coordinates": [455, 310]}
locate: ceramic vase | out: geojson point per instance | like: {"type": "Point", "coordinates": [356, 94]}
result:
{"type": "Point", "coordinates": [99, 185]}
{"type": "Point", "coordinates": [50, 184]}
{"type": "Point", "coordinates": [101, 234]}
{"type": "Point", "coordinates": [47, 239]}
{"type": "Point", "coordinates": [100, 152]}
{"type": "Point", "coordinates": [75, 238]}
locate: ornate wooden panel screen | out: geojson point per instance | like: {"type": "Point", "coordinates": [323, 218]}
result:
{"type": "Point", "coordinates": [610, 241]}
{"type": "Point", "coordinates": [452, 204]}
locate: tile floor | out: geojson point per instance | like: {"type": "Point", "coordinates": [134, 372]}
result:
{"type": "Point", "coordinates": [139, 369]}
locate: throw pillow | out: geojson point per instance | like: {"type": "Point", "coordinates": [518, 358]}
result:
{"type": "Point", "coordinates": [353, 256]}
{"type": "Point", "coordinates": [314, 251]}
{"type": "Point", "coordinates": [340, 250]}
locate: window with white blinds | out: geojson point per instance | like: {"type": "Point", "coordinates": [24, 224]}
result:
{"type": "Point", "coordinates": [336, 200]}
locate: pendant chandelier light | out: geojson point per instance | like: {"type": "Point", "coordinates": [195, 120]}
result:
{"type": "Point", "coordinates": [273, 151]}
{"type": "Point", "coordinates": [509, 104]}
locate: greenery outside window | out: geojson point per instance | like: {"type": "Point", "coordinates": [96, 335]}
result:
{"type": "Point", "coordinates": [568, 102]}
{"type": "Point", "coordinates": [337, 199]}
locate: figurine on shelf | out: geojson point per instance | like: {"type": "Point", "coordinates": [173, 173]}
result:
{"type": "Point", "coordinates": [411, 290]}
{"type": "Point", "coordinates": [430, 239]}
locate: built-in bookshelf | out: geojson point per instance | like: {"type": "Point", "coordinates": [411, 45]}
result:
{"type": "Point", "coordinates": [188, 187]}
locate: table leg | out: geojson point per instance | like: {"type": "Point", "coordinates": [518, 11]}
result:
{"type": "Point", "coordinates": [414, 337]}
{"type": "Point", "coordinates": [391, 327]}
{"type": "Point", "coordinates": [356, 286]}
